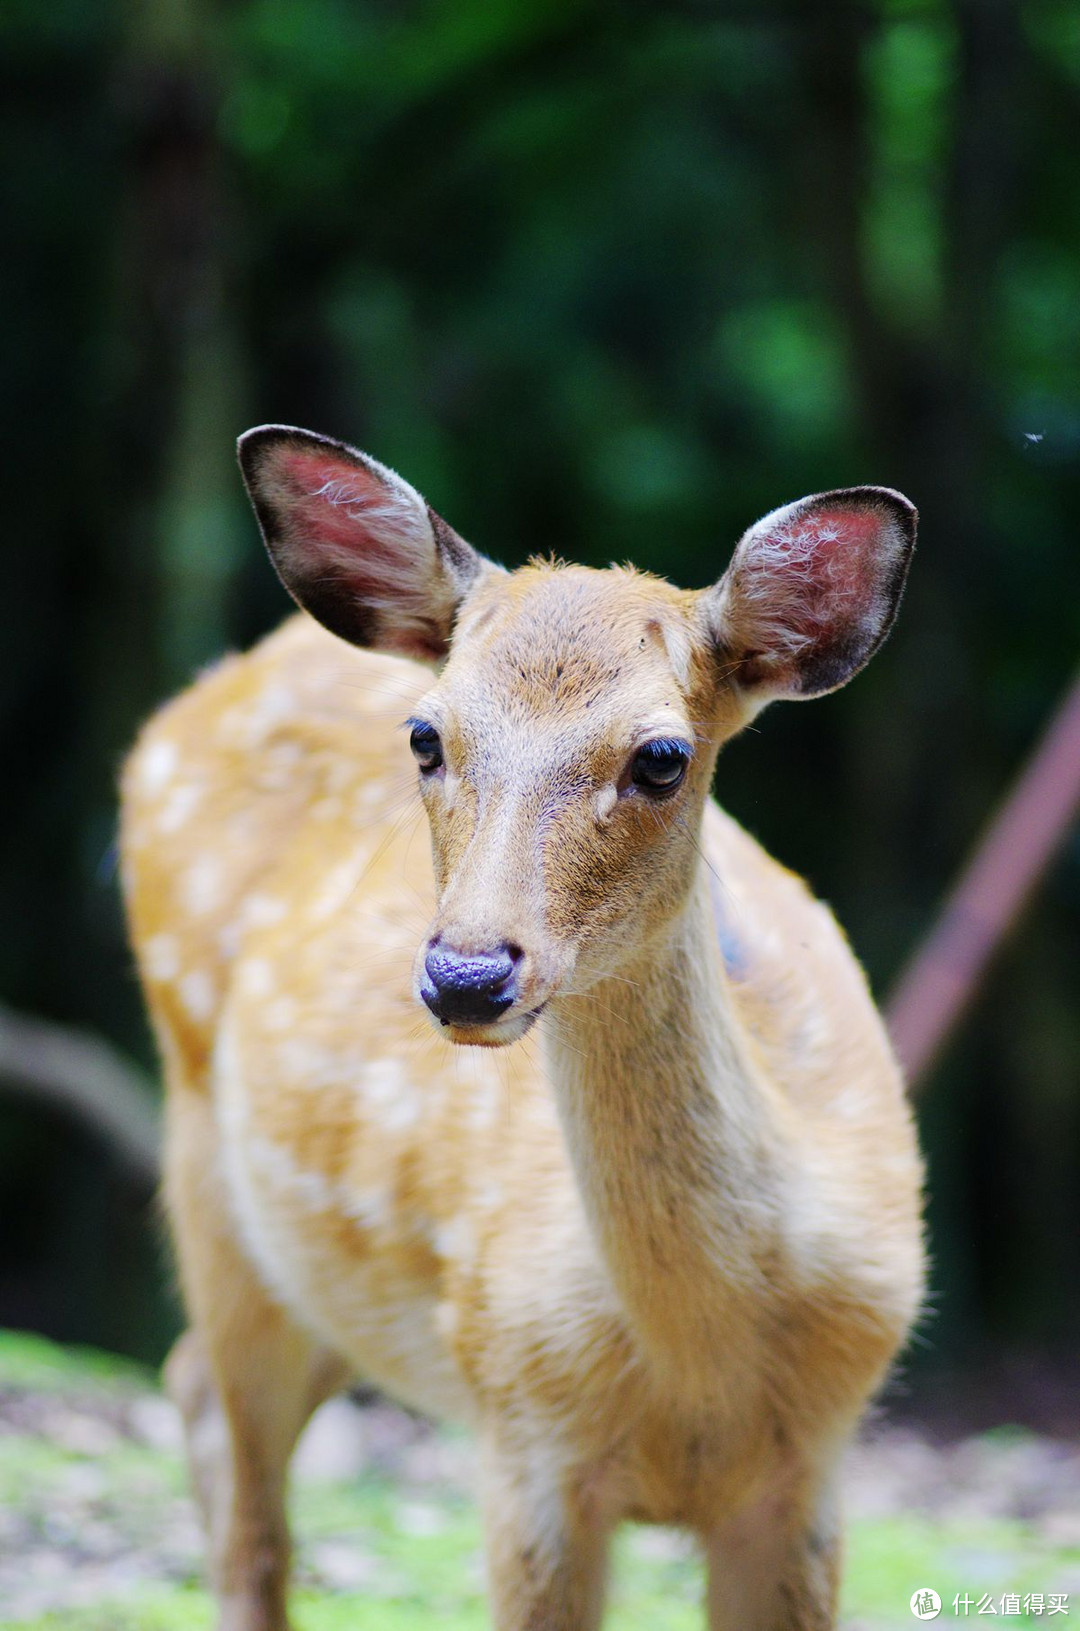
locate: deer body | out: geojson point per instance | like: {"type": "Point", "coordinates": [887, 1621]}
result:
{"type": "Point", "coordinates": [662, 1250]}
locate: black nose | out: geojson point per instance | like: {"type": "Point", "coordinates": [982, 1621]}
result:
{"type": "Point", "coordinates": [470, 990]}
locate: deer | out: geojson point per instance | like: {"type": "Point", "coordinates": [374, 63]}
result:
{"type": "Point", "coordinates": [580, 1125]}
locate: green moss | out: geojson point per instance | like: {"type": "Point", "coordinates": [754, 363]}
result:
{"type": "Point", "coordinates": [31, 1361]}
{"type": "Point", "coordinates": [890, 1558]}
{"type": "Point", "coordinates": [180, 1609]}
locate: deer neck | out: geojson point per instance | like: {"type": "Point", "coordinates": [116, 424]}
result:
{"type": "Point", "coordinates": [674, 1143]}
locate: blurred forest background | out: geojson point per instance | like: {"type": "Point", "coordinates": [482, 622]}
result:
{"type": "Point", "coordinates": [606, 279]}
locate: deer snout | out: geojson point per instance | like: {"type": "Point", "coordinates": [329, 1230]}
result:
{"type": "Point", "coordinates": [473, 988]}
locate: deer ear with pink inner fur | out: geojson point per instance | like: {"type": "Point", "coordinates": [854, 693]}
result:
{"type": "Point", "coordinates": [354, 544]}
{"type": "Point", "coordinates": [811, 592]}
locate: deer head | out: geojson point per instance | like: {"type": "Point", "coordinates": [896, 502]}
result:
{"type": "Point", "coordinates": [567, 743]}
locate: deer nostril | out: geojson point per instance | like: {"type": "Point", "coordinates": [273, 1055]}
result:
{"type": "Point", "coordinates": [469, 988]}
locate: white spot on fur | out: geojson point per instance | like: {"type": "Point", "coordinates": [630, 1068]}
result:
{"type": "Point", "coordinates": [279, 764]}
{"type": "Point", "coordinates": [338, 886]}
{"type": "Point", "coordinates": [389, 1094]}
{"type": "Point", "coordinates": [197, 993]}
{"type": "Point", "coordinates": [401, 1114]}
{"type": "Point", "coordinates": [339, 775]}
{"type": "Point", "coordinates": [815, 1032]}
{"type": "Point", "coordinates": [274, 704]}
{"type": "Point", "coordinates": [161, 956]}
{"type": "Point", "coordinates": [280, 1014]}
{"type": "Point", "coordinates": [455, 1239]}
{"type": "Point", "coordinates": [447, 1321]}
{"type": "Point", "coordinates": [179, 805]}
{"type": "Point", "coordinates": [249, 724]}
{"type": "Point", "coordinates": [310, 1065]}
{"type": "Point", "coordinates": [370, 1208]}
{"type": "Point", "coordinates": [311, 1190]}
{"type": "Point", "coordinates": [263, 911]}
{"type": "Point", "coordinates": [382, 1080]}
{"type": "Point", "coordinates": [200, 890]}
{"type": "Point", "coordinates": [240, 829]}
{"type": "Point", "coordinates": [368, 796]}
{"type": "Point", "coordinates": [606, 800]}
{"type": "Point", "coordinates": [256, 977]}
{"type": "Point", "coordinates": [272, 1162]}
{"type": "Point", "coordinates": [852, 1103]}
{"type": "Point", "coordinates": [157, 765]}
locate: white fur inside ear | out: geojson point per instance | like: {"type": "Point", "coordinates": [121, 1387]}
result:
{"type": "Point", "coordinates": [772, 576]}
{"type": "Point", "coordinates": [787, 575]}
{"type": "Point", "coordinates": [354, 542]}
{"type": "Point", "coordinates": [813, 589]}
{"type": "Point", "coordinates": [376, 533]}
{"type": "Point", "coordinates": [383, 505]}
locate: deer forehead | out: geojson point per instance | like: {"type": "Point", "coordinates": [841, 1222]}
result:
{"type": "Point", "coordinates": [571, 653]}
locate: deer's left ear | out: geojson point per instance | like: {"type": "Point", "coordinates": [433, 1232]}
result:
{"type": "Point", "coordinates": [354, 544]}
{"type": "Point", "coordinates": [811, 592]}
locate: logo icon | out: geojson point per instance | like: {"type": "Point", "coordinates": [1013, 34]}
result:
{"type": "Point", "coordinates": [925, 1604]}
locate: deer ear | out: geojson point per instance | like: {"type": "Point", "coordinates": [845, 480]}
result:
{"type": "Point", "coordinates": [354, 544]}
{"type": "Point", "coordinates": [811, 592]}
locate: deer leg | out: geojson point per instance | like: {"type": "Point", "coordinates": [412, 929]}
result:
{"type": "Point", "coordinates": [245, 1378]}
{"type": "Point", "coordinates": [547, 1551]}
{"type": "Point", "coordinates": [776, 1565]}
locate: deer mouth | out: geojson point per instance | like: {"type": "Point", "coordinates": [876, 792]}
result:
{"type": "Point", "coordinates": [500, 1033]}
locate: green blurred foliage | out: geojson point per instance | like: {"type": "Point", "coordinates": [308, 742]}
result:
{"type": "Point", "coordinates": [605, 279]}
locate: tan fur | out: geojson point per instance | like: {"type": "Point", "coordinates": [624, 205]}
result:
{"type": "Point", "coordinates": [662, 1250]}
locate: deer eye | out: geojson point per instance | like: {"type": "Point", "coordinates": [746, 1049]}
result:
{"type": "Point", "coordinates": [659, 767]}
{"type": "Point", "coordinates": [426, 746]}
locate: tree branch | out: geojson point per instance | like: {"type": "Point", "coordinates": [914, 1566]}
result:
{"type": "Point", "coordinates": [87, 1077]}
{"type": "Point", "coordinates": [1019, 845]}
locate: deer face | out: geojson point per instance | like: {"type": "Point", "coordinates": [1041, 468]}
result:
{"type": "Point", "coordinates": [563, 754]}
{"type": "Point", "coordinates": [567, 744]}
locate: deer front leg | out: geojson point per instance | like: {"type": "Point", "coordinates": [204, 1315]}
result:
{"type": "Point", "coordinates": [246, 1379]}
{"type": "Point", "coordinates": [238, 1462]}
{"type": "Point", "coordinates": [775, 1566]}
{"type": "Point", "coordinates": [547, 1546]}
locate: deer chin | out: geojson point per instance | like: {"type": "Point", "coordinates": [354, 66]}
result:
{"type": "Point", "coordinates": [501, 1034]}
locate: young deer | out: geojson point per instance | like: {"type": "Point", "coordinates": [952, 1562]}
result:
{"type": "Point", "coordinates": [661, 1253]}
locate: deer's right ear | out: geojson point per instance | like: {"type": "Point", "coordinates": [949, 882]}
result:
{"type": "Point", "coordinates": [354, 544]}
{"type": "Point", "coordinates": [811, 592]}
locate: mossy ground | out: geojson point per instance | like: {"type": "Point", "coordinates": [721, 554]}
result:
{"type": "Point", "coordinates": [99, 1536]}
